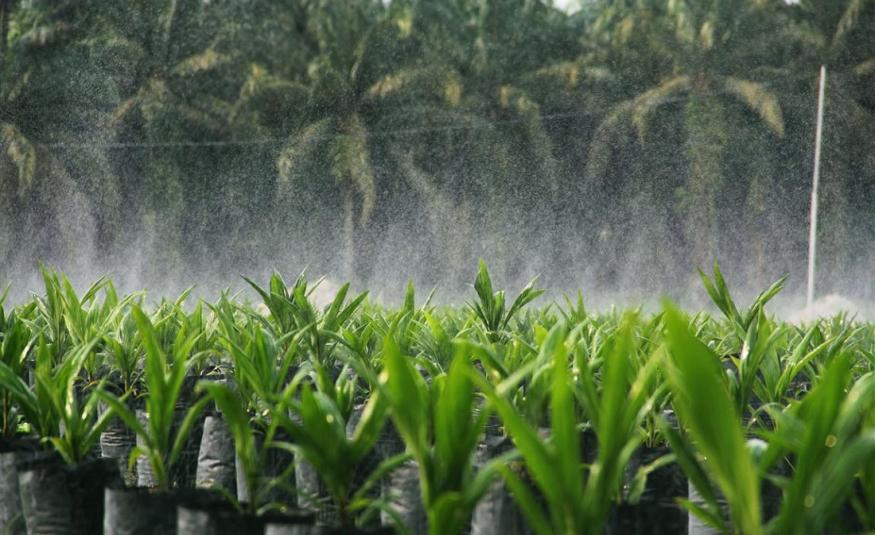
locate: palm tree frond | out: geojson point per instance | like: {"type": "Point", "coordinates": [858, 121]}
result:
{"type": "Point", "coordinates": [848, 21]}
{"type": "Point", "coordinates": [568, 71]}
{"type": "Point", "coordinates": [300, 146]}
{"type": "Point", "coordinates": [422, 183]}
{"type": "Point", "coordinates": [865, 68]}
{"type": "Point", "coordinates": [759, 99]}
{"type": "Point", "coordinates": [21, 152]}
{"type": "Point", "coordinates": [442, 82]}
{"type": "Point", "coordinates": [611, 133]}
{"type": "Point", "coordinates": [260, 83]}
{"type": "Point", "coordinates": [645, 104]}
{"type": "Point", "coordinates": [44, 35]}
{"type": "Point", "coordinates": [205, 61]}
{"type": "Point", "coordinates": [542, 145]}
{"type": "Point", "coordinates": [199, 117]}
{"type": "Point", "coordinates": [152, 90]}
{"type": "Point", "coordinates": [706, 35]}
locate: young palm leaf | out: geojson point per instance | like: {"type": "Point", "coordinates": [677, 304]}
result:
{"type": "Point", "coordinates": [490, 307]}
{"type": "Point", "coordinates": [702, 399]}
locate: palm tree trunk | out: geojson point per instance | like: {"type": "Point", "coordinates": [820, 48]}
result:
{"type": "Point", "coordinates": [348, 234]}
{"type": "Point", "coordinates": [706, 140]}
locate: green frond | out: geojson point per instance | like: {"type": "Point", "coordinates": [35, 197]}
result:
{"type": "Point", "coordinates": [647, 103]}
{"type": "Point", "coordinates": [127, 106]}
{"type": "Point", "coordinates": [423, 184]}
{"type": "Point", "coordinates": [301, 146]}
{"type": "Point", "coordinates": [351, 165]}
{"type": "Point", "coordinates": [199, 117]}
{"type": "Point", "coordinates": [392, 83]}
{"type": "Point", "coordinates": [613, 128]}
{"type": "Point", "coordinates": [154, 97]}
{"type": "Point", "coordinates": [567, 71]}
{"type": "Point", "coordinates": [145, 99]}
{"type": "Point", "coordinates": [684, 21]}
{"type": "Point", "coordinates": [167, 18]}
{"type": "Point", "coordinates": [207, 60]}
{"type": "Point", "coordinates": [865, 68]}
{"type": "Point", "coordinates": [440, 82]}
{"type": "Point", "coordinates": [759, 99]}
{"type": "Point", "coordinates": [262, 93]}
{"type": "Point", "coordinates": [706, 35]}
{"type": "Point", "coordinates": [21, 152]}
{"type": "Point", "coordinates": [542, 145]}
{"type": "Point", "coordinates": [44, 35]}
{"type": "Point", "coordinates": [848, 21]}
{"type": "Point", "coordinates": [418, 178]}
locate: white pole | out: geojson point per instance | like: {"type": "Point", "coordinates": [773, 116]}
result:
{"type": "Point", "coordinates": [812, 231]}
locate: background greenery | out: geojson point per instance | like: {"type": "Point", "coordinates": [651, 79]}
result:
{"type": "Point", "coordinates": [619, 145]}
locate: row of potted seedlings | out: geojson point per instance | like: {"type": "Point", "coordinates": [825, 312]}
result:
{"type": "Point", "coordinates": [295, 419]}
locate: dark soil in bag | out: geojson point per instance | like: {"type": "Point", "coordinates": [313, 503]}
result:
{"type": "Point", "coordinates": [213, 515]}
{"type": "Point", "coordinates": [57, 498]}
{"type": "Point", "coordinates": [286, 529]}
{"type": "Point", "coordinates": [657, 511]}
{"type": "Point", "coordinates": [13, 452]}
{"type": "Point", "coordinates": [143, 511]}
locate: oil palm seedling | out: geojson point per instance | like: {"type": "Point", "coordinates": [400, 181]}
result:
{"type": "Point", "coordinates": [251, 450]}
{"type": "Point", "coordinates": [740, 322]}
{"type": "Point", "coordinates": [15, 344]}
{"type": "Point", "coordinates": [122, 352]}
{"type": "Point", "coordinates": [441, 429]}
{"type": "Point", "coordinates": [577, 499]}
{"type": "Point", "coordinates": [60, 488]}
{"type": "Point", "coordinates": [162, 430]}
{"type": "Point", "coordinates": [53, 408]}
{"type": "Point", "coordinates": [261, 363]}
{"type": "Point", "coordinates": [261, 366]}
{"type": "Point", "coordinates": [751, 345]}
{"type": "Point", "coordinates": [252, 509]}
{"type": "Point", "coordinates": [702, 399]}
{"type": "Point", "coordinates": [161, 436]}
{"type": "Point", "coordinates": [491, 307]}
{"type": "Point", "coordinates": [61, 315]}
{"type": "Point", "coordinates": [317, 429]}
{"type": "Point", "coordinates": [825, 436]}
{"type": "Point", "coordinates": [828, 436]}
{"type": "Point", "coordinates": [319, 330]}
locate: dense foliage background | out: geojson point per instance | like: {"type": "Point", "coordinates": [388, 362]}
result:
{"type": "Point", "coordinates": [617, 146]}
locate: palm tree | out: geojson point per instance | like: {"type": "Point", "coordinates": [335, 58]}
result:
{"type": "Point", "coordinates": [46, 205]}
{"type": "Point", "coordinates": [707, 81]}
{"type": "Point", "coordinates": [166, 61]}
{"type": "Point", "coordinates": [510, 54]}
{"type": "Point", "coordinates": [357, 91]}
